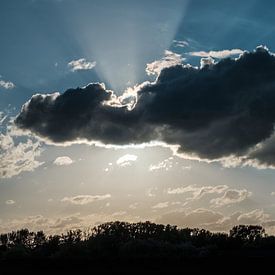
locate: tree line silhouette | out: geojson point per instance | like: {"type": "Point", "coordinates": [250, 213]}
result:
{"type": "Point", "coordinates": [143, 240]}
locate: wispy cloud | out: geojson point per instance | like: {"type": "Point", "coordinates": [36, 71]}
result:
{"type": "Point", "coordinates": [85, 199]}
{"type": "Point", "coordinates": [198, 192]}
{"type": "Point", "coordinates": [161, 205]}
{"type": "Point", "coordinates": [9, 202]}
{"type": "Point", "coordinates": [18, 157]}
{"type": "Point", "coordinates": [166, 165]}
{"type": "Point", "coordinates": [126, 160]}
{"type": "Point", "coordinates": [217, 54]}
{"type": "Point", "coordinates": [66, 221]}
{"type": "Point", "coordinates": [180, 43]}
{"type": "Point", "coordinates": [81, 64]}
{"type": "Point", "coordinates": [231, 196]}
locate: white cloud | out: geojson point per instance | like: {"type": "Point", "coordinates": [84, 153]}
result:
{"type": "Point", "coordinates": [217, 54]}
{"type": "Point", "coordinates": [81, 64]}
{"type": "Point", "coordinates": [161, 205]}
{"type": "Point", "coordinates": [231, 196]}
{"type": "Point", "coordinates": [6, 84]}
{"type": "Point", "coordinates": [180, 43]}
{"type": "Point", "coordinates": [170, 59]}
{"type": "Point", "coordinates": [65, 160]}
{"type": "Point", "coordinates": [85, 199]}
{"type": "Point", "coordinates": [166, 165]}
{"type": "Point", "coordinates": [198, 192]}
{"type": "Point", "coordinates": [207, 61]}
{"type": "Point", "coordinates": [18, 157]}
{"type": "Point", "coordinates": [31, 222]}
{"type": "Point", "coordinates": [126, 160]}
{"type": "Point", "coordinates": [256, 216]}
{"type": "Point", "coordinates": [9, 202]}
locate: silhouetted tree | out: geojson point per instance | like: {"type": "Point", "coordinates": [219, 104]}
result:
{"type": "Point", "coordinates": [249, 233]}
{"type": "Point", "coordinates": [39, 238]}
{"type": "Point", "coordinates": [142, 240]}
{"type": "Point", "coordinates": [72, 236]}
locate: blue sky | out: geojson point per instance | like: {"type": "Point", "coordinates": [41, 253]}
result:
{"type": "Point", "coordinates": [53, 45]}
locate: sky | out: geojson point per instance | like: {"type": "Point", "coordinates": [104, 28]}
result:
{"type": "Point", "coordinates": [137, 110]}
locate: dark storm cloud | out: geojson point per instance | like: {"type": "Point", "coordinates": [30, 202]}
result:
{"type": "Point", "coordinates": [81, 114]}
{"type": "Point", "coordinates": [219, 110]}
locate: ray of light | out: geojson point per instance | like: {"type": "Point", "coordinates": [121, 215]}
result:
{"type": "Point", "coordinates": [122, 36]}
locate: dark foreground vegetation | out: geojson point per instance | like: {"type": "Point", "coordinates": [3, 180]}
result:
{"type": "Point", "coordinates": [120, 245]}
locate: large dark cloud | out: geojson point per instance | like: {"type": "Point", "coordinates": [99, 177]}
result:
{"type": "Point", "coordinates": [81, 114]}
{"type": "Point", "coordinates": [219, 110]}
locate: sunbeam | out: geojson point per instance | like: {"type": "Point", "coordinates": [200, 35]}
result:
{"type": "Point", "coordinates": [136, 34]}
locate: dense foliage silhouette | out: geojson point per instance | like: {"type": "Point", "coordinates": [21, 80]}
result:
{"type": "Point", "coordinates": [143, 240]}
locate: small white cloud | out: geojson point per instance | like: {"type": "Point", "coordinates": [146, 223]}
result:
{"type": "Point", "coordinates": [170, 59]}
{"type": "Point", "coordinates": [9, 202]}
{"type": "Point", "coordinates": [85, 199]}
{"type": "Point", "coordinates": [180, 43]}
{"type": "Point", "coordinates": [217, 54]}
{"type": "Point", "coordinates": [81, 64]}
{"type": "Point", "coordinates": [6, 85]}
{"type": "Point", "coordinates": [206, 61]}
{"type": "Point", "coordinates": [65, 160]}
{"type": "Point", "coordinates": [272, 194]}
{"type": "Point", "coordinates": [161, 205]}
{"type": "Point", "coordinates": [198, 192]}
{"type": "Point", "coordinates": [166, 165]}
{"type": "Point", "coordinates": [126, 160]}
{"type": "Point", "coordinates": [231, 196]}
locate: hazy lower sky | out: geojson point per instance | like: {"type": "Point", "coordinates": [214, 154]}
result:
{"type": "Point", "coordinates": [137, 110]}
